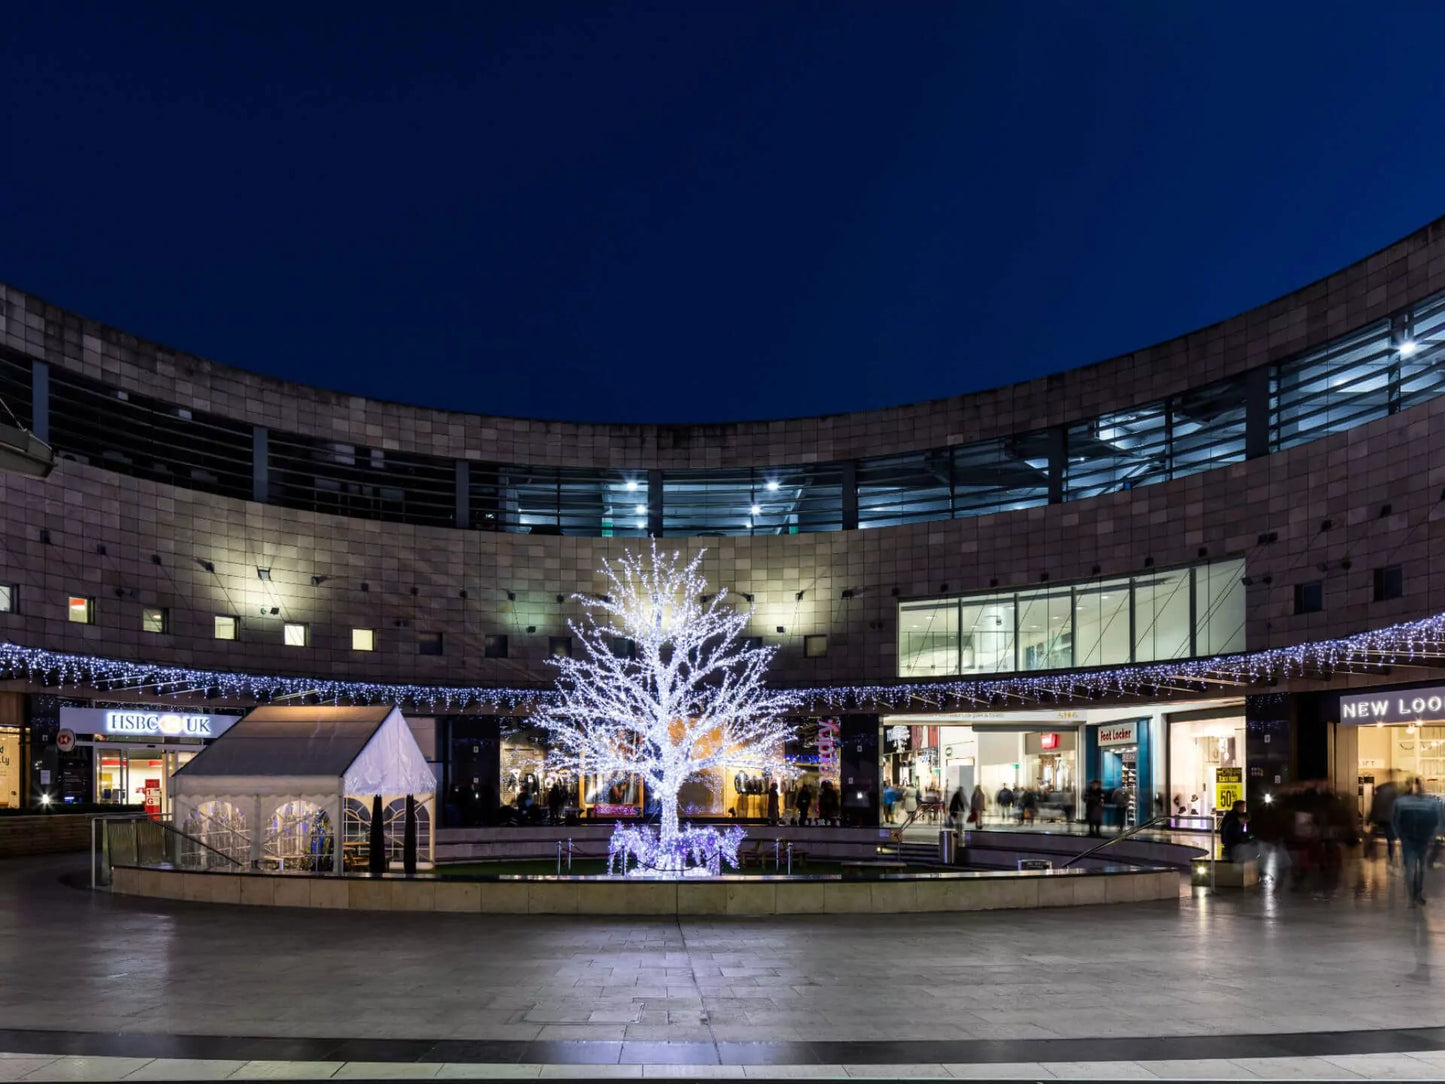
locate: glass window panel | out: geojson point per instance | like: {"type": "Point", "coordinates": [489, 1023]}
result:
{"type": "Point", "coordinates": [911, 488]}
{"type": "Point", "coordinates": [1161, 616]}
{"type": "Point", "coordinates": [1422, 367]}
{"type": "Point", "coordinates": [153, 619]}
{"type": "Point", "coordinates": [363, 639]}
{"type": "Point", "coordinates": [1101, 623]}
{"type": "Point", "coordinates": [1207, 427]}
{"type": "Point", "coordinates": [80, 609]}
{"type": "Point", "coordinates": [718, 502]}
{"type": "Point", "coordinates": [1117, 451]}
{"type": "Point", "coordinates": [1000, 475]}
{"type": "Point", "coordinates": [7, 598]}
{"type": "Point", "coordinates": [293, 634]}
{"type": "Point", "coordinates": [1219, 608]}
{"type": "Point", "coordinates": [1336, 388]}
{"type": "Point", "coordinates": [225, 627]}
{"type": "Point", "coordinates": [986, 635]}
{"type": "Point", "coordinates": [1046, 629]}
{"type": "Point", "coordinates": [928, 640]}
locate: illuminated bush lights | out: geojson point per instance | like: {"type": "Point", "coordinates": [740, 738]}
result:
{"type": "Point", "coordinates": [1414, 642]}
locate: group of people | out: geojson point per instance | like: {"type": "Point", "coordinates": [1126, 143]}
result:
{"type": "Point", "coordinates": [1097, 800]}
{"type": "Point", "coordinates": [829, 808]}
{"type": "Point", "coordinates": [908, 800]}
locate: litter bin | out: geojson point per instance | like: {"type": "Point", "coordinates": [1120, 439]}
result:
{"type": "Point", "coordinates": [948, 846]}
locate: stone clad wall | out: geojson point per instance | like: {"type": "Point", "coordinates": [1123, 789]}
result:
{"type": "Point", "coordinates": [416, 575]}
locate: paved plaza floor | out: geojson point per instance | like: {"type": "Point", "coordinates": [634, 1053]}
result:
{"type": "Point", "coordinates": [1272, 984]}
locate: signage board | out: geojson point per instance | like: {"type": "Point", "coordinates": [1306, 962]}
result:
{"type": "Point", "coordinates": [1119, 733]}
{"type": "Point", "coordinates": [898, 738]}
{"type": "Point", "coordinates": [1049, 741]}
{"type": "Point", "coordinates": [153, 798]}
{"type": "Point", "coordinates": [1409, 706]}
{"type": "Point", "coordinates": [145, 723]}
{"type": "Point", "coordinates": [828, 759]}
{"type": "Point", "coordinates": [1228, 787]}
{"type": "Point", "coordinates": [65, 740]}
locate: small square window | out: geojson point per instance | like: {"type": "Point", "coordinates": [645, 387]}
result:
{"type": "Point", "coordinates": [155, 619]}
{"type": "Point", "coordinates": [82, 610]}
{"type": "Point", "coordinates": [295, 634]}
{"type": "Point", "coordinates": [752, 643]}
{"type": "Point", "coordinates": [559, 647]}
{"type": "Point", "coordinates": [494, 647]}
{"type": "Point", "coordinates": [8, 598]}
{"type": "Point", "coordinates": [815, 647]}
{"type": "Point", "coordinates": [1309, 598]}
{"type": "Point", "coordinates": [623, 648]}
{"type": "Point", "coordinates": [363, 639]}
{"type": "Point", "coordinates": [225, 627]}
{"type": "Point", "coordinates": [429, 643]}
{"type": "Point", "coordinates": [1389, 583]}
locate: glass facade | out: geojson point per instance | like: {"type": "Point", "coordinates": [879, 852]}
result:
{"type": "Point", "coordinates": [1168, 614]}
{"type": "Point", "coordinates": [1375, 371]}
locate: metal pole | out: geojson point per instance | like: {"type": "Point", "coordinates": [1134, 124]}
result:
{"type": "Point", "coordinates": [569, 854]}
{"type": "Point", "coordinates": [790, 858]}
{"type": "Point", "coordinates": [92, 852]}
{"type": "Point", "coordinates": [777, 846]}
{"type": "Point", "coordinates": [559, 858]}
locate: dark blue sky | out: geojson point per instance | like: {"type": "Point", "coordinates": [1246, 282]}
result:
{"type": "Point", "coordinates": [701, 211]}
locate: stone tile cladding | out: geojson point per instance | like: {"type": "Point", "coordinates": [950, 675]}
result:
{"type": "Point", "coordinates": [1374, 287]}
{"type": "Point", "coordinates": [1347, 479]}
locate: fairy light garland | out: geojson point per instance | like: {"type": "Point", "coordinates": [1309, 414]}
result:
{"type": "Point", "coordinates": [1419, 642]}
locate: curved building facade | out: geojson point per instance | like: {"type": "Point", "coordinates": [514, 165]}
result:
{"type": "Point", "coordinates": [1270, 482]}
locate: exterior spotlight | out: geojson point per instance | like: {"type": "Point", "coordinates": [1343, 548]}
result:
{"type": "Point", "coordinates": [641, 510]}
{"type": "Point", "coordinates": [1408, 347]}
{"type": "Point", "coordinates": [511, 596]}
{"type": "Point", "coordinates": [755, 510]}
{"type": "Point", "coordinates": [781, 629]}
{"type": "Point", "coordinates": [1269, 799]}
{"type": "Point", "coordinates": [772, 485]}
{"type": "Point", "coordinates": [263, 573]}
{"type": "Point", "coordinates": [747, 596]}
{"type": "Point", "coordinates": [630, 485]}
{"type": "Point", "coordinates": [45, 799]}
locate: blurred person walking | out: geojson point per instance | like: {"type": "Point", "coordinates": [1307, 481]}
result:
{"type": "Point", "coordinates": [977, 806]}
{"type": "Point", "coordinates": [1382, 813]}
{"type": "Point", "coordinates": [1094, 807]}
{"type": "Point", "coordinates": [1416, 820]}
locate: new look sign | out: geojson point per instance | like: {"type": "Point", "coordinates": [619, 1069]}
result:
{"type": "Point", "coordinates": [1410, 706]}
{"type": "Point", "coordinates": [144, 723]}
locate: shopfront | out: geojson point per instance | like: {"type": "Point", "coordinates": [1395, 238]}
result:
{"type": "Point", "coordinates": [1120, 756]}
{"type": "Point", "coordinates": [134, 752]}
{"type": "Point", "coordinates": [1207, 765]}
{"type": "Point", "coordinates": [1392, 736]}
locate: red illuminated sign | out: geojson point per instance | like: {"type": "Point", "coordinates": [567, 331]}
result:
{"type": "Point", "coordinates": [1050, 741]}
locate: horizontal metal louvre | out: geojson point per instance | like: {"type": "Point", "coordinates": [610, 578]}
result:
{"type": "Point", "coordinates": [15, 390]}
{"type": "Point", "coordinates": [145, 438]}
{"type": "Point", "coordinates": [1001, 475]}
{"type": "Point", "coordinates": [1346, 384]}
{"type": "Point", "coordinates": [557, 501]}
{"type": "Point", "coordinates": [369, 483]}
{"type": "Point", "coordinates": [1117, 451]}
{"type": "Point", "coordinates": [750, 501]}
{"type": "Point", "coordinates": [1207, 427]}
{"type": "Point", "coordinates": [913, 488]}
{"type": "Point", "coordinates": [1422, 374]}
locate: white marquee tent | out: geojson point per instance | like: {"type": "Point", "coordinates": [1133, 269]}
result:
{"type": "Point", "coordinates": [272, 790]}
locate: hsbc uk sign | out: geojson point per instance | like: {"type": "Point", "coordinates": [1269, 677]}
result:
{"type": "Point", "coordinates": [143, 723]}
{"type": "Point", "coordinates": [1409, 706]}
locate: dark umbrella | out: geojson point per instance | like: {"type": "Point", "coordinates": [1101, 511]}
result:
{"type": "Point", "coordinates": [408, 852]}
{"type": "Point", "coordinates": [377, 858]}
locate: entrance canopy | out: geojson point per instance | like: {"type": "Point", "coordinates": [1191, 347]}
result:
{"type": "Point", "coordinates": [278, 787]}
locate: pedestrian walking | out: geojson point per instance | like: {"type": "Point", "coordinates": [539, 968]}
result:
{"type": "Point", "coordinates": [1416, 820]}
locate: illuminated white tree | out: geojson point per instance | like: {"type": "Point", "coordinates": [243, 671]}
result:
{"type": "Point", "coordinates": [687, 699]}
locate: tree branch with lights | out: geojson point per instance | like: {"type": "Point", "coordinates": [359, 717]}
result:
{"type": "Point", "coordinates": [688, 697]}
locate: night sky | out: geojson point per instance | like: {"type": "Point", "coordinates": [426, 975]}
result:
{"type": "Point", "coordinates": [699, 211]}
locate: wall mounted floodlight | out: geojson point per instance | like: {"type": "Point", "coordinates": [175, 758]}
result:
{"type": "Point", "coordinates": [263, 573]}
{"type": "Point", "coordinates": [781, 629]}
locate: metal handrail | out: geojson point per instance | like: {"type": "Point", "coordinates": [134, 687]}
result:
{"type": "Point", "coordinates": [169, 830]}
{"type": "Point", "coordinates": [1114, 839]}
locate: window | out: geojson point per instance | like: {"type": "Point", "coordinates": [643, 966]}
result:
{"type": "Point", "coordinates": [927, 638]}
{"type": "Point", "coordinates": [623, 648]}
{"type": "Point", "coordinates": [155, 619]}
{"type": "Point", "coordinates": [1389, 583]}
{"type": "Point", "coordinates": [494, 647]}
{"type": "Point", "coordinates": [752, 643]}
{"type": "Point", "coordinates": [1219, 608]}
{"type": "Point", "coordinates": [363, 639]}
{"type": "Point", "coordinates": [225, 627]}
{"type": "Point", "coordinates": [1161, 616]}
{"type": "Point", "coordinates": [8, 596]}
{"type": "Point", "coordinates": [987, 641]}
{"type": "Point", "coordinates": [295, 634]}
{"type": "Point", "coordinates": [81, 610]}
{"type": "Point", "coordinates": [1046, 629]}
{"type": "Point", "coordinates": [429, 643]}
{"type": "Point", "coordinates": [1101, 623]}
{"type": "Point", "coordinates": [559, 647]}
{"type": "Point", "coordinates": [1309, 598]}
{"type": "Point", "coordinates": [815, 647]}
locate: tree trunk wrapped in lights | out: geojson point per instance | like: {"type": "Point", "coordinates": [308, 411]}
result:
{"type": "Point", "coordinates": [686, 701]}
